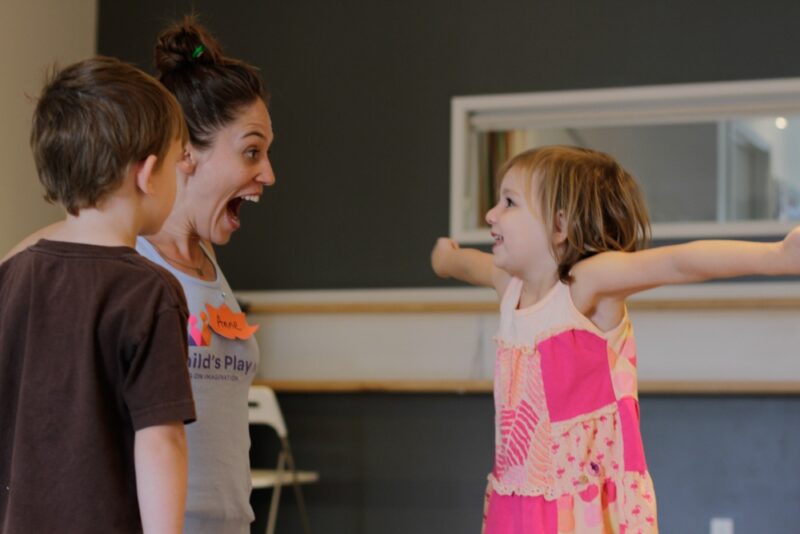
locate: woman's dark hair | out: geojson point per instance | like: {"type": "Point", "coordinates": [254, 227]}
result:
{"type": "Point", "coordinates": [211, 88]}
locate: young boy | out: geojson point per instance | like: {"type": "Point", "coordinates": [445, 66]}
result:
{"type": "Point", "coordinates": [94, 388]}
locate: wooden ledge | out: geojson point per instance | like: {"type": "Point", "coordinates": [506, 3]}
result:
{"type": "Point", "coordinates": [493, 307]}
{"type": "Point", "coordinates": [372, 307]}
{"type": "Point", "coordinates": [379, 386]}
{"type": "Point", "coordinates": [660, 387]}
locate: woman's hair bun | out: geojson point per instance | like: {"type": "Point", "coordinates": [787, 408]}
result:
{"type": "Point", "coordinates": [211, 88]}
{"type": "Point", "coordinates": [185, 44]}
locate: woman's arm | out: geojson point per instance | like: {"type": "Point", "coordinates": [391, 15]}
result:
{"type": "Point", "coordinates": [161, 460]}
{"type": "Point", "coordinates": [617, 275]}
{"type": "Point", "coordinates": [42, 233]}
{"type": "Point", "coordinates": [448, 260]}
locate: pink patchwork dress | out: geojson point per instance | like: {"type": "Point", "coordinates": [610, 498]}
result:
{"type": "Point", "coordinates": [568, 450]}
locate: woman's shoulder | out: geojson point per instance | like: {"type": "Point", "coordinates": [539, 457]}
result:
{"type": "Point", "coordinates": [156, 276]}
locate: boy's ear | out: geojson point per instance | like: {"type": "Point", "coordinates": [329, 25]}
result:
{"type": "Point", "coordinates": [560, 228]}
{"type": "Point", "coordinates": [144, 174]}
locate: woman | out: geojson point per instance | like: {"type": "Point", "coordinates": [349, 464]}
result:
{"type": "Point", "coordinates": [225, 164]}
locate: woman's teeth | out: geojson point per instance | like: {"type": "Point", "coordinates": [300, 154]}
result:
{"type": "Point", "coordinates": [251, 198]}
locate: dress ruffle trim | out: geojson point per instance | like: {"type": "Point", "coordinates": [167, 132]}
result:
{"type": "Point", "coordinates": [551, 494]}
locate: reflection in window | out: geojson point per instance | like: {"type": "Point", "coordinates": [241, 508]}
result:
{"type": "Point", "coordinates": [735, 170]}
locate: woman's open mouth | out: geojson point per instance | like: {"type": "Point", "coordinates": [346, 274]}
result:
{"type": "Point", "coordinates": [234, 206]}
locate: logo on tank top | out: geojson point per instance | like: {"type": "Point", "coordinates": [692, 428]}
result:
{"type": "Point", "coordinates": [217, 325]}
{"type": "Point", "coordinates": [223, 321]}
{"type": "Point", "coordinates": [199, 334]}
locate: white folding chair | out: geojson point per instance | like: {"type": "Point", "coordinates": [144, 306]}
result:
{"type": "Point", "coordinates": [264, 409]}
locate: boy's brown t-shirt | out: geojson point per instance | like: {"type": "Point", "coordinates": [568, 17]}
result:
{"type": "Point", "coordinates": [92, 349]}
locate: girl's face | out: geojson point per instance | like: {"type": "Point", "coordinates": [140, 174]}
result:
{"type": "Point", "coordinates": [521, 239]}
{"type": "Point", "coordinates": [234, 169]}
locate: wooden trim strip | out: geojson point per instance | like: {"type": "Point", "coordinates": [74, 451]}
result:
{"type": "Point", "coordinates": [291, 308]}
{"type": "Point", "coordinates": [656, 387]}
{"type": "Point", "coordinates": [717, 304]}
{"type": "Point", "coordinates": [379, 386]}
{"type": "Point", "coordinates": [372, 307]}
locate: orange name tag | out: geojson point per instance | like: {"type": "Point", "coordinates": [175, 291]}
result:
{"type": "Point", "coordinates": [228, 324]}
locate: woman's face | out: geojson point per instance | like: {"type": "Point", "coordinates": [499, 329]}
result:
{"type": "Point", "coordinates": [233, 170]}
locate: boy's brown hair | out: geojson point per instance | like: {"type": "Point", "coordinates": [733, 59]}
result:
{"type": "Point", "coordinates": [92, 121]}
{"type": "Point", "coordinates": [598, 200]}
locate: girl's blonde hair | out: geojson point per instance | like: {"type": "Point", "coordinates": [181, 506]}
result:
{"type": "Point", "coordinates": [599, 201]}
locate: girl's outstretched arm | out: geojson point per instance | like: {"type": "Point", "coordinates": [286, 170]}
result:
{"type": "Point", "coordinates": [617, 275]}
{"type": "Point", "coordinates": [469, 265]}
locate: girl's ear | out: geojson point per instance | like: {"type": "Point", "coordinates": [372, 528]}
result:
{"type": "Point", "coordinates": [144, 174]}
{"type": "Point", "coordinates": [560, 228]}
{"type": "Point", "coordinates": [188, 163]}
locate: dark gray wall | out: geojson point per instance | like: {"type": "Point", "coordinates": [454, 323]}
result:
{"type": "Point", "coordinates": [361, 104]}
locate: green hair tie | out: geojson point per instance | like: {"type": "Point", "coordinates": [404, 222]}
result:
{"type": "Point", "coordinates": [198, 52]}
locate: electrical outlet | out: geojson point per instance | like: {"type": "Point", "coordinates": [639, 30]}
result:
{"type": "Point", "coordinates": [721, 525]}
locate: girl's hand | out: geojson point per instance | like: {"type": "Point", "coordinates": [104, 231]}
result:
{"type": "Point", "coordinates": [469, 265]}
{"type": "Point", "coordinates": [442, 252]}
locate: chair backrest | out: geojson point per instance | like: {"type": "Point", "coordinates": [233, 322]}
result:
{"type": "Point", "coordinates": [264, 409]}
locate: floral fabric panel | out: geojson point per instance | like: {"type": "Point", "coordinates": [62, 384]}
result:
{"type": "Point", "coordinates": [568, 432]}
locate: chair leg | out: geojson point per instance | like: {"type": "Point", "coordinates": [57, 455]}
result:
{"type": "Point", "coordinates": [301, 504]}
{"type": "Point", "coordinates": [276, 495]}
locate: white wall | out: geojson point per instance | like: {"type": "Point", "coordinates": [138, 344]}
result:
{"type": "Point", "coordinates": [752, 343]}
{"type": "Point", "coordinates": [34, 34]}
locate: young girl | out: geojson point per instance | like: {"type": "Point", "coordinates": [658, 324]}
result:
{"type": "Point", "coordinates": [569, 230]}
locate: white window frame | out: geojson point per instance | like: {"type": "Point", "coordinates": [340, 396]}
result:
{"type": "Point", "coordinates": [680, 103]}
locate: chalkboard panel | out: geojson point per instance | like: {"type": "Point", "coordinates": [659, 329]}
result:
{"type": "Point", "coordinates": [361, 105]}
